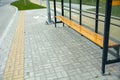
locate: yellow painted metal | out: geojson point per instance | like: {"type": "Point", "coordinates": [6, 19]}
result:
{"type": "Point", "coordinates": [115, 2]}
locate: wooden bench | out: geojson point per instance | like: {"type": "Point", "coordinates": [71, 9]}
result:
{"type": "Point", "coordinates": [94, 37]}
{"type": "Point", "coordinates": [115, 2]}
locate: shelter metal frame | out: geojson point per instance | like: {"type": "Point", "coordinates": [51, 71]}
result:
{"type": "Point", "coordinates": [108, 9]}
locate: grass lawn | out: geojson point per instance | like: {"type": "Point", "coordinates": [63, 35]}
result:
{"type": "Point", "coordinates": [20, 4]}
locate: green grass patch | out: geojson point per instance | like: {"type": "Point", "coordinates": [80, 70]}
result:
{"type": "Point", "coordinates": [26, 5]}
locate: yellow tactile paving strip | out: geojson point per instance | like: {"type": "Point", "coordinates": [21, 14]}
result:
{"type": "Point", "coordinates": [15, 64]}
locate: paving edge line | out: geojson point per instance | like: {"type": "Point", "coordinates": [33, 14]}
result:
{"type": "Point", "coordinates": [14, 69]}
{"type": "Point", "coordinates": [9, 25]}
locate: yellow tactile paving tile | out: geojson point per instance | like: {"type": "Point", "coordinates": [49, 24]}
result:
{"type": "Point", "coordinates": [15, 64]}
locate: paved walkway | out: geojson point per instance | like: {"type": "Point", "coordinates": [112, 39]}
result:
{"type": "Point", "coordinates": [33, 50]}
{"type": "Point", "coordinates": [60, 53]}
{"type": "Point", "coordinates": [51, 53]}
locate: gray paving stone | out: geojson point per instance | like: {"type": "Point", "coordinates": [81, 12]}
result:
{"type": "Point", "coordinates": [29, 74]}
{"type": "Point", "coordinates": [59, 68]}
{"type": "Point", "coordinates": [61, 74]}
{"type": "Point", "coordinates": [37, 78]}
{"type": "Point", "coordinates": [29, 78]}
{"type": "Point", "coordinates": [65, 78]}
{"type": "Point", "coordinates": [51, 76]}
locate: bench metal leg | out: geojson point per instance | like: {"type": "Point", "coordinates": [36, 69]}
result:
{"type": "Point", "coordinates": [63, 24]}
{"type": "Point", "coordinates": [55, 23]}
{"type": "Point", "coordinates": [55, 12]}
{"type": "Point", "coordinates": [105, 61]}
{"type": "Point", "coordinates": [117, 51]}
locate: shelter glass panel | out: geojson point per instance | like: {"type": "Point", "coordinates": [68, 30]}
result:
{"type": "Point", "coordinates": [88, 13]}
{"type": "Point", "coordinates": [75, 10]}
{"type": "Point", "coordinates": [58, 7]}
{"type": "Point", "coordinates": [115, 23]}
{"type": "Point", "coordinates": [66, 8]}
{"type": "Point", "coordinates": [101, 18]}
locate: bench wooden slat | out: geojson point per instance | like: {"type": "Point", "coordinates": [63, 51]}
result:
{"type": "Point", "coordinates": [116, 2]}
{"type": "Point", "coordinates": [94, 37]}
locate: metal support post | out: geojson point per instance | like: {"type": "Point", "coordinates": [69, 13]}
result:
{"type": "Point", "coordinates": [106, 34]}
{"type": "Point", "coordinates": [48, 11]}
{"type": "Point", "coordinates": [70, 9]}
{"type": "Point", "coordinates": [62, 8]}
{"type": "Point", "coordinates": [80, 12]}
{"type": "Point", "coordinates": [55, 12]}
{"type": "Point", "coordinates": [97, 14]}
